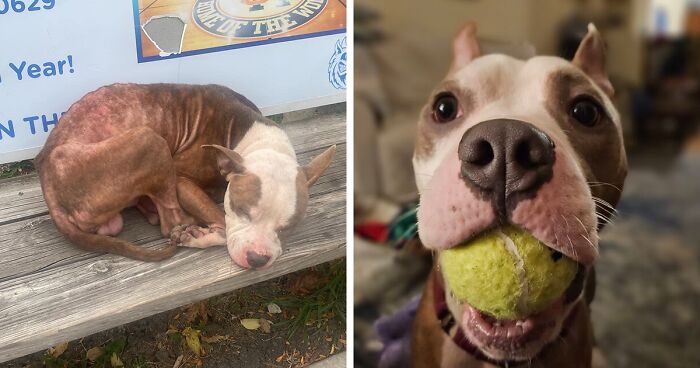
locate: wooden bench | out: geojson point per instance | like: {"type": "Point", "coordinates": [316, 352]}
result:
{"type": "Point", "coordinates": [51, 292]}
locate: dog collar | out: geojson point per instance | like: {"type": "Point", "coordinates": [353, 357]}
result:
{"type": "Point", "coordinates": [449, 325]}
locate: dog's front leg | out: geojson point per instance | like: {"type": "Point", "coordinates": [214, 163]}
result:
{"type": "Point", "coordinates": [197, 203]}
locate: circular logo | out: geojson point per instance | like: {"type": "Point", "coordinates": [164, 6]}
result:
{"type": "Point", "coordinates": [254, 18]}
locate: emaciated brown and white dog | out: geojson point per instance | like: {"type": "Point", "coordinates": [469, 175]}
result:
{"type": "Point", "coordinates": [536, 144]}
{"type": "Point", "coordinates": [172, 151]}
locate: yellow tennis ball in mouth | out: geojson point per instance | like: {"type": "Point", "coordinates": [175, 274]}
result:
{"type": "Point", "coordinates": [507, 273]}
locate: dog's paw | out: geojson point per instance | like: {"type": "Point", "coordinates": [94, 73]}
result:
{"type": "Point", "coordinates": [182, 235]}
{"type": "Point", "coordinates": [194, 236]}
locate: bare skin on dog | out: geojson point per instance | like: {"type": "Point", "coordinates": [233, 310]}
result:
{"type": "Point", "coordinates": [173, 152]}
{"type": "Point", "coordinates": [536, 144]}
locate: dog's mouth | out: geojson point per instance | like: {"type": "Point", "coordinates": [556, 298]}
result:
{"type": "Point", "coordinates": [514, 340]}
{"type": "Point", "coordinates": [523, 339]}
{"type": "Point", "coordinates": [505, 341]}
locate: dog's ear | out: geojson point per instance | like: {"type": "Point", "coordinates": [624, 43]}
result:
{"type": "Point", "coordinates": [318, 165]}
{"type": "Point", "coordinates": [229, 161]}
{"type": "Point", "coordinates": [590, 57]}
{"type": "Point", "coordinates": [465, 47]}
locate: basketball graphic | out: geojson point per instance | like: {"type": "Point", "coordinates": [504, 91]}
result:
{"type": "Point", "coordinates": [216, 25]}
{"type": "Point", "coordinates": [248, 19]}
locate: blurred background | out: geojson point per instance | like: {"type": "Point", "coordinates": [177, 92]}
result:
{"type": "Point", "coordinates": [647, 307]}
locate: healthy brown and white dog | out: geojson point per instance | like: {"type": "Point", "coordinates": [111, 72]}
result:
{"type": "Point", "coordinates": [169, 150]}
{"type": "Point", "coordinates": [536, 144]}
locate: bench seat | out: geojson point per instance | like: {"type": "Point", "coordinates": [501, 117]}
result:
{"type": "Point", "coordinates": [51, 292]}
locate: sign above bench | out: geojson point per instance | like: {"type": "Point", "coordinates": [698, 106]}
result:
{"type": "Point", "coordinates": [284, 55]}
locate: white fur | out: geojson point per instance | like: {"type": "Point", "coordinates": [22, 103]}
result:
{"type": "Point", "coordinates": [267, 153]}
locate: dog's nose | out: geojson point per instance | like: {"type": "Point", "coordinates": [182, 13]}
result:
{"type": "Point", "coordinates": [256, 260]}
{"type": "Point", "coordinates": [506, 160]}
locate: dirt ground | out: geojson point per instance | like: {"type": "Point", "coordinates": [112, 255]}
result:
{"type": "Point", "coordinates": [291, 321]}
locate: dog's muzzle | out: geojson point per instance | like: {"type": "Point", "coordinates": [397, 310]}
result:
{"type": "Point", "coordinates": [504, 161]}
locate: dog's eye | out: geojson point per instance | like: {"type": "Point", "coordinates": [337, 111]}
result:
{"type": "Point", "coordinates": [585, 111]}
{"type": "Point", "coordinates": [445, 108]}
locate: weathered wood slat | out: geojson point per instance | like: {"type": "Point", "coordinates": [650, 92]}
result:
{"type": "Point", "coordinates": [34, 244]}
{"type": "Point", "coordinates": [51, 291]}
{"type": "Point", "coordinates": [21, 198]}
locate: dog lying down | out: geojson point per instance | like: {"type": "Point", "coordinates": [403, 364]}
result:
{"type": "Point", "coordinates": [174, 151]}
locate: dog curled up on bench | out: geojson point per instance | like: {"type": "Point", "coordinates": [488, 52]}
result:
{"type": "Point", "coordinates": [173, 151]}
{"type": "Point", "coordinates": [502, 144]}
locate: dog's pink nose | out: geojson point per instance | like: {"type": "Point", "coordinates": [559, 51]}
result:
{"type": "Point", "coordinates": [505, 160]}
{"type": "Point", "coordinates": [256, 260]}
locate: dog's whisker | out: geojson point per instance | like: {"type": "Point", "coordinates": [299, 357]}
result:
{"type": "Point", "coordinates": [608, 211]}
{"type": "Point", "coordinates": [589, 241]}
{"type": "Point", "coordinates": [406, 214]}
{"type": "Point", "coordinates": [603, 220]}
{"type": "Point", "coordinates": [605, 213]}
{"type": "Point", "coordinates": [601, 183]}
{"type": "Point", "coordinates": [581, 223]}
{"type": "Point", "coordinates": [571, 243]}
{"type": "Point", "coordinates": [604, 203]}
{"type": "Point", "coordinates": [556, 238]}
{"type": "Point", "coordinates": [583, 234]}
{"type": "Point", "coordinates": [606, 218]}
{"type": "Point", "coordinates": [413, 230]}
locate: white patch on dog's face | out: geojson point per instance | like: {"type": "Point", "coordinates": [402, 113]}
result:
{"type": "Point", "coordinates": [263, 200]}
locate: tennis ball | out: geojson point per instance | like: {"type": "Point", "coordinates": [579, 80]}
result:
{"type": "Point", "coordinates": [507, 273]}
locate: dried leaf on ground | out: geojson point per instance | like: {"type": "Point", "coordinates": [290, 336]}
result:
{"type": "Point", "coordinates": [178, 361]}
{"type": "Point", "coordinates": [192, 337]}
{"type": "Point", "coordinates": [307, 282]}
{"type": "Point", "coordinates": [115, 361]}
{"type": "Point", "coordinates": [216, 338]}
{"type": "Point", "coordinates": [58, 350]}
{"type": "Point", "coordinates": [273, 308]}
{"type": "Point", "coordinates": [265, 325]}
{"type": "Point", "coordinates": [94, 353]}
{"type": "Point", "coordinates": [197, 310]}
{"type": "Point", "coordinates": [251, 323]}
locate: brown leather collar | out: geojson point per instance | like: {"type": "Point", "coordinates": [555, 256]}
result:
{"type": "Point", "coordinates": [449, 324]}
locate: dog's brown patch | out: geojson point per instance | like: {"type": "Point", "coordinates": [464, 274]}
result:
{"type": "Point", "coordinates": [599, 149]}
{"type": "Point", "coordinates": [245, 191]}
{"type": "Point", "coordinates": [301, 201]}
{"type": "Point", "coordinates": [428, 130]}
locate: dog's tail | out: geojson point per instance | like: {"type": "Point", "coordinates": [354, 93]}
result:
{"type": "Point", "coordinates": [103, 243]}
{"type": "Point", "coordinates": [108, 244]}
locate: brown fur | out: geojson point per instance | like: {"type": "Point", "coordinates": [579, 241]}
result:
{"type": "Point", "coordinates": [599, 148]}
{"type": "Point", "coordinates": [302, 200]}
{"type": "Point", "coordinates": [429, 131]}
{"type": "Point", "coordinates": [245, 192]}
